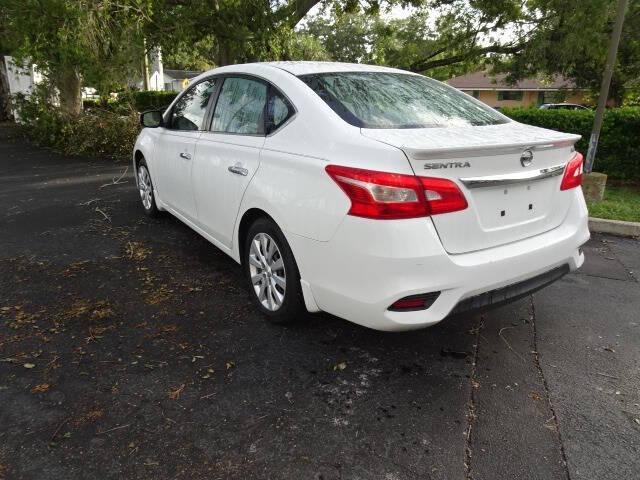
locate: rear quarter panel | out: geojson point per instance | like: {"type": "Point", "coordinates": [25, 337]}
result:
{"type": "Point", "coordinates": [291, 184]}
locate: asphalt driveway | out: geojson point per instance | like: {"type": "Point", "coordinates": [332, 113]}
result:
{"type": "Point", "coordinates": [129, 348]}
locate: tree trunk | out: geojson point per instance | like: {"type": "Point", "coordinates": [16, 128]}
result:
{"type": "Point", "coordinates": [145, 66]}
{"type": "Point", "coordinates": [616, 92]}
{"type": "Point", "coordinates": [5, 95]}
{"type": "Point", "coordinates": [69, 87]}
{"type": "Point", "coordinates": [223, 57]}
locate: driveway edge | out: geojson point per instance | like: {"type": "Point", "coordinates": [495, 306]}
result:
{"type": "Point", "coordinates": [614, 227]}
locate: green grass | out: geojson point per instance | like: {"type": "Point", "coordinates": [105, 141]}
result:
{"type": "Point", "coordinates": [620, 203]}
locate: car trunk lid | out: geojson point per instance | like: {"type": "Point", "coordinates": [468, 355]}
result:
{"type": "Point", "coordinates": [509, 173]}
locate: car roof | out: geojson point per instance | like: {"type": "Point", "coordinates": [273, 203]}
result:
{"type": "Point", "coordinates": [302, 68]}
{"type": "Point", "coordinates": [296, 68]}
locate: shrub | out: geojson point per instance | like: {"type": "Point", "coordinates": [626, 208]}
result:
{"type": "Point", "coordinates": [138, 101]}
{"type": "Point", "coordinates": [617, 153]}
{"type": "Point", "coordinates": [146, 100]}
{"type": "Point", "coordinates": [632, 98]}
{"type": "Point", "coordinates": [97, 131]}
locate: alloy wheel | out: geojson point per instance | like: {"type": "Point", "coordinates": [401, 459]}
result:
{"type": "Point", "coordinates": [268, 276]}
{"type": "Point", "coordinates": [144, 186]}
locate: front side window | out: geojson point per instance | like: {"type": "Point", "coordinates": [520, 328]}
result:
{"type": "Point", "coordinates": [398, 100]}
{"type": "Point", "coordinates": [240, 107]}
{"type": "Point", "coordinates": [189, 111]}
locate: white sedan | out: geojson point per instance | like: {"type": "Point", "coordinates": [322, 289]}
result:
{"type": "Point", "coordinates": [374, 194]}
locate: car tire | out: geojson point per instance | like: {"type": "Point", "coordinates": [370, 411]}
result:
{"type": "Point", "coordinates": [272, 274]}
{"type": "Point", "coordinates": [145, 189]}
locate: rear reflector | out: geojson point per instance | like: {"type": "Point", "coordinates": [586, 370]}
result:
{"type": "Point", "coordinates": [413, 303]}
{"type": "Point", "coordinates": [388, 196]}
{"type": "Point", "coordinates": [573, 173]}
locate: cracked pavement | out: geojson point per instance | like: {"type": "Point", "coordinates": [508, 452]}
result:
{"type": "Point", "coordinates": [129, 348]}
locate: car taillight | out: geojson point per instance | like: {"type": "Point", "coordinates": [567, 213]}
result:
{"type": "Point", "coordinates": [572, 173]}
{"type": "Point", "coordinates": [443, 196]}
{"type": "Point", "coordinates": [387, 196]}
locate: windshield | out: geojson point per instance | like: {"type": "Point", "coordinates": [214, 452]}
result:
{"type": "Point", "coordinates": [398, 100]}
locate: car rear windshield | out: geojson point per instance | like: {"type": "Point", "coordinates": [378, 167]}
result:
{"type": "Point", "coordinates": [398, 100]}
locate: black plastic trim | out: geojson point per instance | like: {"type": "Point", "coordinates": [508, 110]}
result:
{"type": "Point", "coordinates": [510, 293]}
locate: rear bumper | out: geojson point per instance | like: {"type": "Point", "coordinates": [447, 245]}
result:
{"type": "Point", "coordinates": [369, 264]}
{"type": "Point", "coordinates": [510, 293]}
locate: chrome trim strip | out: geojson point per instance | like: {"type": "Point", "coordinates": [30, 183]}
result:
{"type": "Point", "coordinates": [511, 178]}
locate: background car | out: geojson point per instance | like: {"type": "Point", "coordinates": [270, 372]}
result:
{"type": "Point", "coordinates": [562, 106]}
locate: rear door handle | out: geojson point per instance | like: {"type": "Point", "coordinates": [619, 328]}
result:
{"type": "Point", "coordinates": [239, 170]}
{"type": "Point", "coordinates": [185, 155]}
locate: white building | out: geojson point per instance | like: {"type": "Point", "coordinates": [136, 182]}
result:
{"type": "Point", "coordinates": [19, 79]}
{"type": "Point", "coordinates": [178, 80]}
{"type": "Point", "coordinates": [166, 79]}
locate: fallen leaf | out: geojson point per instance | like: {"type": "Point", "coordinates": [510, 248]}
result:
{"type": "Point", "coordinates": [101, 313]}
{"type": "Point", "coordinates": [230, 365]}
{"type": "Point", "coordinates": [174, 394]}
{"type": "Point", "coordinates": [535, 396]}
{"type": "Point", "coordinates": [29, 365]}
{"type": "Point", "coordinates": [42, 387]}
{"type": "Point", "coordinates": [340, 366]}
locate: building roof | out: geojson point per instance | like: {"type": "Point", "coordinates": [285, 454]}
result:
{"type": "Point", "coordinates": [181, 74]}
{"type": "Point", "coordinates": [485, 81]}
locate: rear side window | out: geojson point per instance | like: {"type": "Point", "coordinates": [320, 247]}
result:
{"type": "Point", "coordinates": [240, 107]}
{"type": "Point", "coordinates": [189, 111]}
{"type": "Point", "coordinates": [398, 100]}
{"type": "Point", "coordinates": [279, 110]}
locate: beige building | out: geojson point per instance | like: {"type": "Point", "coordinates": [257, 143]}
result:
{"type": "Point", "coordinates": [530, 92]}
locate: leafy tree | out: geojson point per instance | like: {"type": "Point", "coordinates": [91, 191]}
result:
{"type": "Point", "coordinates": [573, 41]}
{"type": "Point", "coordinates": [245, 30]}
{"type": "Point", "coordinates": [437, 33]}
{"type": "Point", "coordinates": [301, 46]}
{"type": "Point", "coordinates": [450, 37]}
{"type": "Point", "coordinates": [71, 41]}
{"type": "Point", "coordinates": [102, 42]}
{"type": "Point", "coordinates": [236, 30]}
{"type": "Point", "coordinates": [346, 37]}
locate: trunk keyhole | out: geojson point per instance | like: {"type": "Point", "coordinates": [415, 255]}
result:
{"type": "Point", "coordinates": [502, 213]}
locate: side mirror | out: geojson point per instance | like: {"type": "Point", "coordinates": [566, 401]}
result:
{"type": "Point", "coordinates": [151, 119]}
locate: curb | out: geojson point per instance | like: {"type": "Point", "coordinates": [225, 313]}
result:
{"type": "Point", "coordinates": [614, 227]}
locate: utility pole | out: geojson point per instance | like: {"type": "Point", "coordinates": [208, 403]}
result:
{"type": "Point", "coordinates": [606, 81]}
